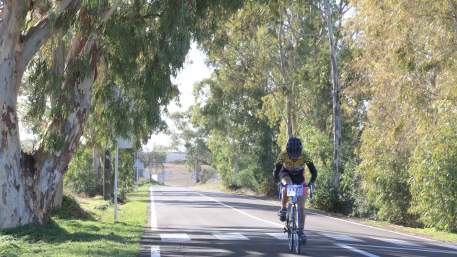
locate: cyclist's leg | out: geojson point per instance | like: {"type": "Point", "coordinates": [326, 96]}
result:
{"type": "Point", "coordinates": [285, 180]}
{"type": "Point", "coordinates": [301, 209]}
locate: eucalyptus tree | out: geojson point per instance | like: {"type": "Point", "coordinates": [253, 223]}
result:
{"type": "Point", "coordinates": [406, 57]}
{"type": "Point", "coordinates": [270, 83]}
{"type": "Point", "coordinates": [74, 58]}
{"type": "Point", "coordinates": [332, 12]}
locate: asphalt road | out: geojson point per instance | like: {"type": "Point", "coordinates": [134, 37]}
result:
{"type": "Point", "coordinates": [188, 222]}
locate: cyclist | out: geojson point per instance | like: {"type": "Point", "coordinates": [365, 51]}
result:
{"type": "Point", "coordinates": [290, 170]}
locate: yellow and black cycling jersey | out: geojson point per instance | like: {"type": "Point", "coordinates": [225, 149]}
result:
{"type": "Point", "coordinates": [295, 165]}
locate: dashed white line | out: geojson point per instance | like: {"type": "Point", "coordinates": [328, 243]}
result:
{"type": "Point", "coordinates": [240, 211]}
{"type": "Point", "coordinates": [350, 248]}
{"type": "Point", "coordinates": [155, 251]}
{"type": "Point", "coordinates": [153, 213]}
{"type": "Point", "coordinates": [342, 237]}
{"type": "Point", "coordinates": [230, 236]}
{"type": "Point", "coordinates": [175, 237]}
{"type": "Point", "coordinates": [280, 236]}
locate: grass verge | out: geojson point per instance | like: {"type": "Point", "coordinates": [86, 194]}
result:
{"type": "Point", "coordinates": [423, 232]}
{"type": "Point", "coordinates": [83, 228]}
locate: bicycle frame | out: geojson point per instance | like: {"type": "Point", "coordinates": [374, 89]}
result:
{"type": "Point", "coordinates": [293, 217]}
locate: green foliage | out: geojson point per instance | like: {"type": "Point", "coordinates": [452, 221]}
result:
{"type": "Point", "coordinates": [404, 61]}
{"type": "Point", "coordinates": [80, 176]}
{"type": "Point", "coordinates": [433, 175]}
{"type": "Point", "coordinates": [126, 172]}
{"type": "Point", "coordinates": [139, 46]}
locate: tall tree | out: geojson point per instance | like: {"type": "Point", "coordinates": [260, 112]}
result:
{"type": "Point", "coordinates": [148, 39]}
{"type": "Point", "coordinates": [271, 67]}
{"type": "Point", "coordinates": [332, 15]}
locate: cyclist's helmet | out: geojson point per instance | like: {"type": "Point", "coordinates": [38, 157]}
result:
{"type": "Point", "coordinates": [294, 147]}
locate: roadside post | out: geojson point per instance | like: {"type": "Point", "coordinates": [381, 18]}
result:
{"type": "Point", "coordinates": [138, 165]}
{"type": "Point", "coordinates": [121, 143]}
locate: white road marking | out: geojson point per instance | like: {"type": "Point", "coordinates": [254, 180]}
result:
{"type": "Point", "coordinates": [240, 211]}
{"type": "Point", "coordinates": [415, 249]}
{"type": "Point", "coordinates": [368, 226]}
{"type": "Point", "coordinates": [280, 236]}
{"type": "Point", "coordinates": [340, 237]}
{"type": "Point", "coordinates": [350, 248]}
{"type": "Point", "coordinates": [450, 246]}
{"type": "Point", "coordinates": [176, 237]}
{"type": "Point", "coordinates": [230, 236]}
{"type": "Point", "coordinates": [153, 215]}
{"type": "Point", "coordinates": [329, 217]}
{"type": "Point", "coordinates": [395, 241]}
{"type": "Point", "coordinates": [155, 251]}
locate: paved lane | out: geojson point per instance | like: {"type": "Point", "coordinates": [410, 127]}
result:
{"type": "Point", "coordinates": [186, 222]}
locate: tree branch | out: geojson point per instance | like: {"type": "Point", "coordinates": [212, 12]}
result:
{"type": "Point", "coordinates": [37, 35]}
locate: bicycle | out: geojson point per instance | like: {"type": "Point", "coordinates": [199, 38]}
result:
{"type": "Point", "coordinates": [293, 217]}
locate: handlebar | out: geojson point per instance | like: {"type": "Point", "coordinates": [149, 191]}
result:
{"type": "Point", "coordinates": [311, 192]}
{"type": "Point", "coordinates": [312, 187]}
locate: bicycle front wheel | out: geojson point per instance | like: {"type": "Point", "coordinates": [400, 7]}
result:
{"type": "Point", "coordinates": [296, 232]}
{"type": "Point", "coordinates": [292, 227]}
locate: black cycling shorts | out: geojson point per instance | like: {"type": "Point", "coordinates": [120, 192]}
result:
{"type": "Point", "coordinates": [297, 178]}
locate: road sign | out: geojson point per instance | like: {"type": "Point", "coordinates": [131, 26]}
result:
{"type": "Point", "coordinates": [124, 143]}
{"type": "Point", "coordinates": [138, 164]}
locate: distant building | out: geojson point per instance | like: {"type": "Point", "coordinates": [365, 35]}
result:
{"type": "Point", "coordinates": [176, 157]}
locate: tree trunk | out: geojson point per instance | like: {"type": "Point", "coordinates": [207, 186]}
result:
{"type": "Point", "coordinates": [13, 209]}
{"type": "Point", "coordinates": [58, 73]}
{"type": "Point", "coordinates": [58, 199]}
{"type": "Point", "coordinates": [28, 183]}
{"type": "Point", "coordinates": [96, 166]}
{"type": "Point", "coordinates": [289, 111]}
{"type": "Point", "coordinates": [337, 129]}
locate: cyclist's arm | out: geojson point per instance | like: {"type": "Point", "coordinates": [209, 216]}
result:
{"type": "Point", "coordinates": [313, 171]}
{"type": "Point", "coordinates": [278, 166]}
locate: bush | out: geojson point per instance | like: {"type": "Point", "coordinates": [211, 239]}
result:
{"type": "Point", "coordinates": [79, 177]}
{"type": "Point", "coordinates": [434, 177]}
{"type": "Point", "coordinates": [325, 195]}
{"type": "Point", "coordinates": [208, 174]}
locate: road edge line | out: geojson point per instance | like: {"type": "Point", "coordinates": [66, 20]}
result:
{"type": "Point", "coordinates": [381, 229]}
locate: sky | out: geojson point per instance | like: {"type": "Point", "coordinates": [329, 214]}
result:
{"type": "Point", "coordinates": [194, 70]}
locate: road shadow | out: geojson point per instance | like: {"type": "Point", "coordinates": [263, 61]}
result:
{"type": "Point", "coordinates": [204, 244]}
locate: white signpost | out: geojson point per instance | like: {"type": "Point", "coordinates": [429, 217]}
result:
{"type": "Point", "coordinates": [138, 165]}
{"type": "Point", "coordinates": [122, 143]}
